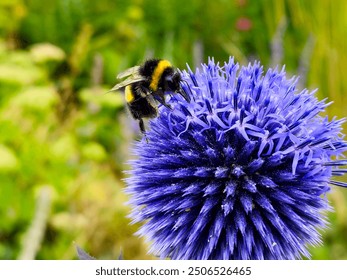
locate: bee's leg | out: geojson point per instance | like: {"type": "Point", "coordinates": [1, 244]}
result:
{"type": "Point", "coordinates": [142, 129]}
{"type": "Point", "coordinates": [183, 93]}
{"type": "Point", "coordinates": [160, 97]}
{"type": "Point", "coordinates": [142, 126]}
{"type": "Point", "coordinates": [144, 92]}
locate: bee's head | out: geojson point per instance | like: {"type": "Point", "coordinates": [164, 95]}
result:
{"type": "Point", "coordinates": [173, 83]}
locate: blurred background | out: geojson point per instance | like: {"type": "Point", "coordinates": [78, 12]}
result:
{"type": "Point", "coordinates": [64, 143]}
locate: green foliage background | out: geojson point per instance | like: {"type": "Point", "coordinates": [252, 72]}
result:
{"type": "Point", "coordinates": [64, 143]}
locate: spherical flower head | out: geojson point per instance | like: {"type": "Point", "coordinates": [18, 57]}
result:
{"type": "Point", "coordinates": [240, 172]}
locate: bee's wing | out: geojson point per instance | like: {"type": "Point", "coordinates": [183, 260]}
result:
{"type": "Point", "coordinates": [131, 71]}
{"type": "Point", "coordinates": [132, 79]}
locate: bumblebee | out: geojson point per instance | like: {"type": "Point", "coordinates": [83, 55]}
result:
{"type": "Point", "coordinates": [146, 85]}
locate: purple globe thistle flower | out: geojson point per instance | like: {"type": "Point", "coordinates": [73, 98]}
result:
{"type": "Point", "coordinates": [240, 172]}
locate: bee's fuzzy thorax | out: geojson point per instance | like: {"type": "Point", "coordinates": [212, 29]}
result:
{"type": "Point", "coordinates": [162, 66]}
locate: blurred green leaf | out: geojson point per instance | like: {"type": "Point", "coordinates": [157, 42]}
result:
{"type": "Point", "coordinates": [64, 148]}
{"type": "Point", "coordinates": [94, 151]}
{"type": "Point", "coordinates": [36, 98]}
{"type": "Point", "coordinates": [16, 74]}
{"type": "Point", "coordinates": [45, 52]}
{"type": "Point", "coordinates": [103, 98]}
{"type": "Point", "coordinates": [8, 160]}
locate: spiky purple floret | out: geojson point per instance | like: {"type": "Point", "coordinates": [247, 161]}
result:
{"type": "Point", "coordinates": [240, 172]}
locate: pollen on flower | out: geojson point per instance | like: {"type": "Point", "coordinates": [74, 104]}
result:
{"type": "Point", "coordinates": [240, 172]}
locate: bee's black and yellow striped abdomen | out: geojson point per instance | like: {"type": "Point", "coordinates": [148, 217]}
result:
{"type": "Point", "coordinates": [140, 106]}
{"type": "Point", "coordinates": [129, 94]}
